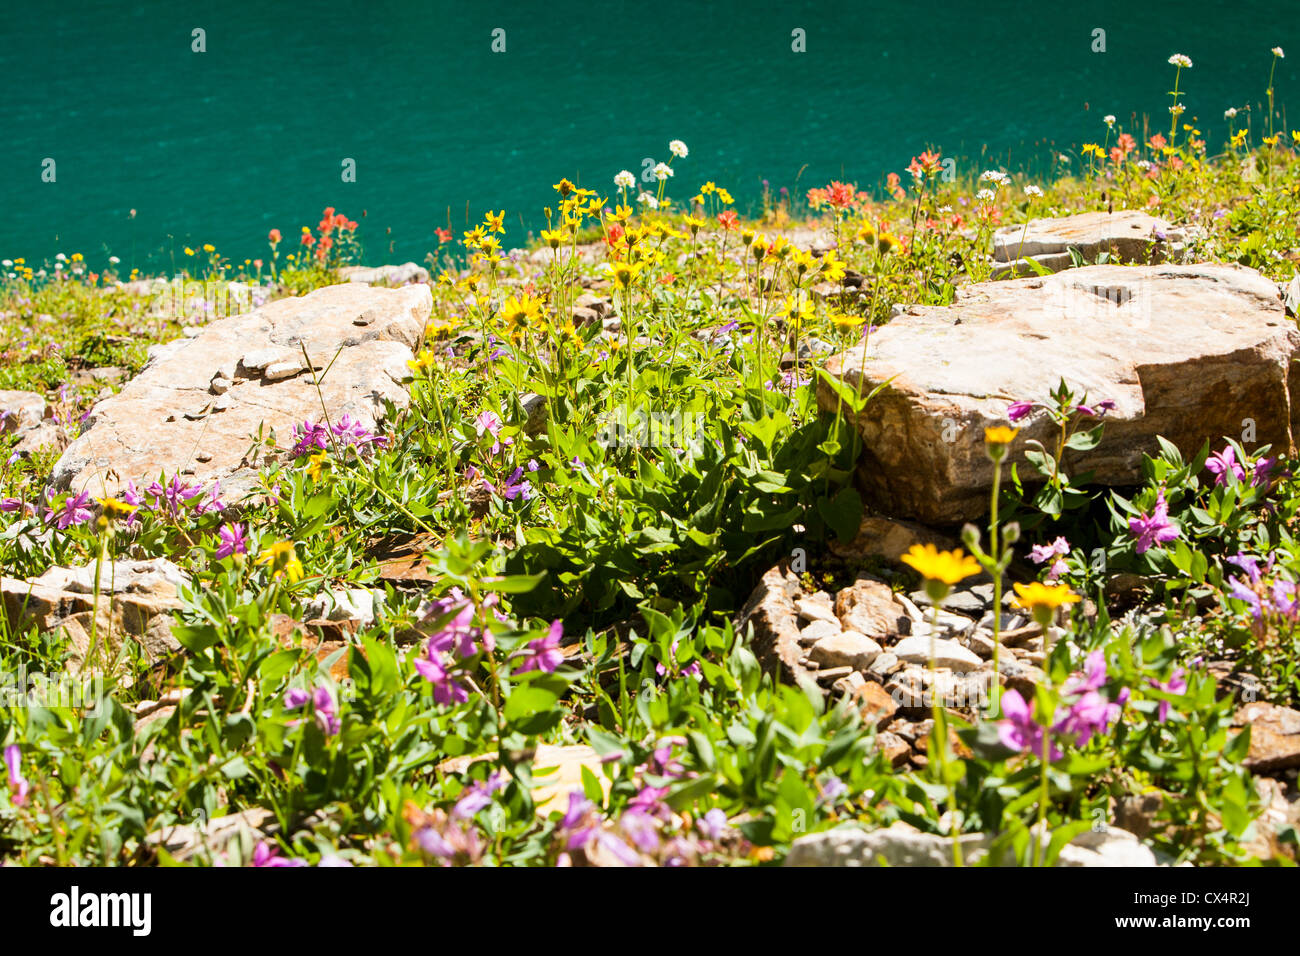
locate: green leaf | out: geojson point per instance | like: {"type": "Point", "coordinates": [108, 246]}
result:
{"type": "Point", "coordinates": [843, 513]}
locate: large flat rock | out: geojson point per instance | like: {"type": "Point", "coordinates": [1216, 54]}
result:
{"type": "Point", "coordinates": [1127, 236]}
{"type": "Point", "coordinates": [194, 408]}
{"type": "Point", "coordinates": [1187, 352]}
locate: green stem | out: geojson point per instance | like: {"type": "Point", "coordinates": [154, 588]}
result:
{"type": "Point", "coordinates": [996, 553]}
{"type": "Point", "coordinates": [941, 738]}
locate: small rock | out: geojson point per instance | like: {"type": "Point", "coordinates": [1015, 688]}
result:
{"type": "Point", "coordinates": [352, 604]}
{"type": "Point", "coordinates": [847, 685]}
{"type": "Point", "coordinates": [814, 608]}
{"type": "Point", "coordinates": [848, 648]}
{"type": "Point", "coordinates": [884, 665]}
{"type": "Point", "coordinates": [1274, 736]}
{"type": "Point", "coordinates": [20, 410]}
{"type": "Point", "coordinates": [894, 747]}
{"type": "Point", "coordinates": [279, 371]}
{"type": "Point", "coordinates": [900, 845]}
{"type": "Point", "coordinates": [817, 631]}
{"type": "Point", "coordinates": [874, 703]}
{"type": "Point", "coordinates": [947, 653]}
{"type": "Point", "coordinates": [1019, 675]}
{"type": "Point", "coordinates": [868, 607]}
{"type": "Point", "coordinates": [1109, 847]}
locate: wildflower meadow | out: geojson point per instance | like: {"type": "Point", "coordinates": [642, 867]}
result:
{"type": "Point", "coordinates": [655, 535]}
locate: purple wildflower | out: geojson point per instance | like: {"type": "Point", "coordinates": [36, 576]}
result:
{"type": "Point", "coordinates": [580, 821]}
{"type": "Point", "coordinates": [489, 422]}
{"type": "Point", "coordinates": [543, 654]}
{"type": "Point", "coordinates": [1019, 731]}
{"type": "Point", "coordinates": [296, 697]}
{"type": "Point", "coordinates": [232, 541]}
{"type": "Point", "coordinates": [1155, 529]}
{"type": "Point", "coordinates": [641, 829]}
{"type": "Point", "coordinates": [309, 435]}
{"type": "Point", "coordinates": [477, 796]}
{"type": "Point", "coordinates": [1040, 553]}
{"type": "Point", "coordinates": [214, 502]}
{"type": "Point", "coordinates": [18, 786]}
{"type": "Point", "coordinates": [1177, 684]}
{"type": "Point", "coordinates": [1224, 466]}
{"type": "Point", "coordinates": [268, 855]}
{"type": "Point", "coordinates": [650, 800]}
{"type": "Point", "coordinates": [446, 689]}
{"type": "Point", "coordinates": [1094, 675]}
{"type": "Point", "coordinates": [74, 511]}
{"type": "Point", "coordinates": [1087, 716]}
{"type": "Point", "coordinates": [713, 824]}
{"type": "Point", "coordinates": [174, 495]}
{"type": "Point", "coordinates": [1263, 476]}
{"type": "Point", "coordinates": [517, 486]}
{"type": "Point", "coordinates": [135, 499]}
{"type": "Point", "coordinates": [326, 711]}
{"type": "Point", "coordinates": [832, 791]}
{"type": "Point", "coordinates": [1018, 410]}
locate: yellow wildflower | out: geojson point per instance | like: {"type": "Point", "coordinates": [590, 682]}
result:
{"type": "Point", "coordinates": [941, 569]}
{"type": "Point", "coordinates": [283, 560]}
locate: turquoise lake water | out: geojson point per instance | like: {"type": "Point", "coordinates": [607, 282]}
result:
{"type": "Point", "coordinates": [221, 146]}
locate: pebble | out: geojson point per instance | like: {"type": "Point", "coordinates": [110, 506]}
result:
{"type": "Point", "coordinates": [816, 609]}
{"type": "Point", "coordinates": [818, 630]}
{"type": "Point", "coordinates": [884, 665]}
{"type": "Point", "coordinates": [947, 653]}
{"type": "Point", "coordinates": [845, 648]}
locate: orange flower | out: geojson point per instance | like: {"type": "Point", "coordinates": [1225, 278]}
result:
{"type": "Point", "coordinates": [274, 235]}
{"type": "Point", "coordinates": [841, 195]}
{"type": "Point", "coordinates": [728, 219]}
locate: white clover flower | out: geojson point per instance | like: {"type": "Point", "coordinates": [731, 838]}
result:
{"type": "Point", "coordinates": [1065, 160]}
{"type": "Point", "coordinates": [985, 194]}
{"type": "Point", "coordinates": [663, 171]}
{"type": "Point", "coordinates": [648, 199]}
{"type": "Point", "coordinates": [114, 260]}
{"type": "Point", "coordinates": [1177, 109]}
{"type": "Point", "coordinates": [678, 149]}
{"type": "Point", "coordinates": [61, 258]}
{"type": "Point", "coordinates": [1144, 164]}
{"type": "Point", "coordinates": [7, 263]}
{"type": "Point", "coordinates": [1033, 191]}
{"type": "Point", "coordinates": [945, 209]}
{"type": "Point", "coordinates": [58, 267]}
{"type": "Point", "coordinates": [995, 177]}
{"type": "Point", "coordinates": [1179, 59]}
{"type": "Point", "coordinates": [1277, 52]}
{"type": "Point", "coordinates": [1109, 119]}
{"type": "Point", "coordinates": [625, 180]}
